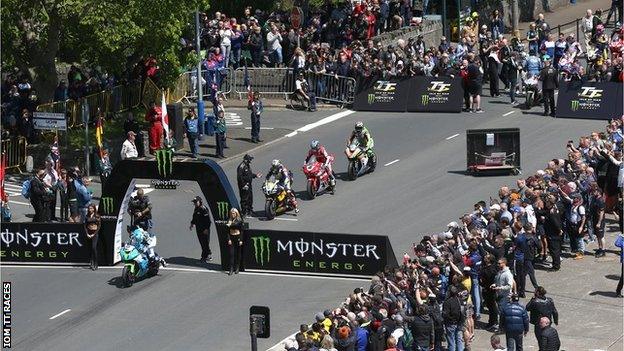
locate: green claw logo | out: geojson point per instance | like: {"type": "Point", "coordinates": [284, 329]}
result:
{"type": "Point", "coordinates": [222, 209]}
{"type": "Point", "coordinates": [262, 252]}
{"type": "Point", "coordinates": [424, 100]}
{"type": "Point", "coordinates": [164, 162]}
{"type": "Point", "coordinates": [371, 98]}
{"type": "Point", "coordinates": [575, 105]}
{"type": "Point", "coordinates": [107, 205]}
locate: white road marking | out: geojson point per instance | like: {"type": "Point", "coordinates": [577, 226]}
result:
{"type": "Point", "coordinates": [232, 119]}
{"type": "Point", "coordinates": [142, 185]}
{"type": "Point", "coordinates": [508, 113]}
{"type": "Point", "coordinates": [60, 314]}
{"type": "Point", "coordinates": [452, 136]}
{"type": "Point", "coordinates": [292, 134]}
{"type": "Point", "coordinates": [285, 219]}
{"type": "Point", "coordinates": [392, 162]}
{"type": "Point", "coordinates": [261, 128]}
{"type": "Point", "coordinates": [326, 120]}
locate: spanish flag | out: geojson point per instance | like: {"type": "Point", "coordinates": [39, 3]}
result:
{"type": "Point", "coordinates": [99, 132]}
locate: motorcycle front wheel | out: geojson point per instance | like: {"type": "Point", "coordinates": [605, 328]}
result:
{"type": "Point", "coordinates": [311, 189]}
{"type": "Point", "coordinates": [352, 170]}
{"type": "Point", "coordinates": [269, 209]}
{"type": "Point", "coordinates": [372, 162]}
{"type": "Point", "coordinates": [127, 277]}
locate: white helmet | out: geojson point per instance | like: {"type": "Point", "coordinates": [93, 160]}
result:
{"type": "Point", "coordinates": [276, 163]}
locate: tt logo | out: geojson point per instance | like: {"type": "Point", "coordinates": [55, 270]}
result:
{"type": "Point", "coordinates": [424, 99]}
{"type": "Point", "coordinates": [222, 209]}
{"type": "Point", "coordinates": [439, 87]}
{"type": "Point", "coordinates": [383, 85]}
{"type": "Point", "coordinates": [261, 249]}
{"type": "Point", "coordinates": [107, 205]}
{"type": "Point", "coordinates": [590, 92]}
{"type": "Point", "coordinates": [371, 98]}
{"type": "Point", "coordinates": [164, 162]}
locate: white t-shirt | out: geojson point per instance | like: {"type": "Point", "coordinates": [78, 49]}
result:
{"type": "Point", "coordinates": [226, 35]}
{"type": "Point", "coordinates": [51, 177]}
{"type": "Point", "coordinates": [128, 150]}
{"type": "Point", "coordinates": [274, 41]}
{"type": "Point", "coordinates": [298, 84]}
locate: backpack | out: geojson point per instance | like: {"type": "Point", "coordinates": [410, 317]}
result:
{"type": "Point", "coordinates": [26, 188]}
{"type": "Point", "coordinates": [408, 339]}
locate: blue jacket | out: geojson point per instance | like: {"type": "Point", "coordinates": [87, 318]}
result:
{"type": "Point", "coordinates": [361, 336]}
{"type": "Point", "coordinates": [521, 247]}
{"type": "Point", "coordinates": [475, 258]}
{"type": "Point", "coordinates": [619, 242]}
{"type": "Point", "coordinates": [533, 65]}
{"type": "Point", "coordinates": [514, 318]}
{"type": "Point", "coordinates": [83, 195]}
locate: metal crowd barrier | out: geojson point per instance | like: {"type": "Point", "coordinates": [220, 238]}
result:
{"type": "Point", "coordinates": [14, 152]}
{"type": "Point", "coordinates": [332, 88]}
{"type": "Point", "coordinates": [267, 81]}
{"type": "Point", "coordinates": [186, 85]}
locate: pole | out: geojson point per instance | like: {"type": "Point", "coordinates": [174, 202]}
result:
{"type": "Point", "coordinates": [444, 22]}
{"type": "Point", "coordinates": [200, 95]}
{"type": "Point", "coordinates": [514, 14]}
{"type": "Point", "coordinates": [254, 341]}
{"type": "Point", "coordinates": [85, 120]}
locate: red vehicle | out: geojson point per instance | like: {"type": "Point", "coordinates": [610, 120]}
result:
{"type": "Point", "coordinates": [317, 177]}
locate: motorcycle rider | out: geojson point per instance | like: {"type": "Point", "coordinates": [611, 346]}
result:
{"type": "Point", "coordinates": [365, 140]}
{"type": "Point", "coordinates": [139, 238]}
{"type": "Point", "coordinates": [319, 152]}
{"type": "Point", "coordinates": [283, 178]}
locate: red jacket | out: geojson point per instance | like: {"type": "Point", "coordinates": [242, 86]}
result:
{"type": "Point", "coordinates": [154, 115]}
{"type": "Point", "coordinates": [320, 154]}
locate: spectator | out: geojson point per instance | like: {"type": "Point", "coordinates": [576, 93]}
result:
{"type": "Point", "coordinates": [548, 77]}
{"type": "Point", "coordinates": [541, 306]}
{"type": "Point", "coordinates": [50, 180]}
{"type": "Point", "coordinates": [274, 39]}
{"type": "Point", "coordinates": [40, 197]}
{"type": "Point", "coordinates": [220, 130]}
{"type": "Point", "coordinates": [154, 117]}
{"type": "Point", "coordinates": [587, 27]}
{"type": "Point", "coordinates": [256, 111]}
{"type": "Point", "coordinates": [616, 11]}
{"type": "Point", "coordinates": [191, 128]}
{"type": "Point", "coordinates": [475, 79]}
{"type": "Point", "coordinates": [105, 167]}
{"type": "Point", "coordinates": [344, 340]}
{"type": "Point", "coordinates": [128, 149]}
{"type": "Point", "coordinates": [60, 93]}
{"type": "Point", "coordinates": [549, 338]}
{"type": "Point", "coordinates": [63, 186]}
{"type": "Point", "coordinates": [201, 222]}
{"type": "Point", "coordinates": [453, 321]}
{"type": "Point", "coordinates": [495, 342]}
{"type": "Point", "coordinates": [92, 227]}
{"type": "Point", "coordinates": [422, 329]}
{"type": "Point", "coordinates": [226, 34]}
{"type": "Point", "coordinates": [619, 242]}
{"type": "Point", "coordinates": [302, 90]}
{"type": "Point", "coordinates": [83, 196]}
{"type": "Point", "coordinates": [532, 38]}
{"type": "Point", "coordinates": [327, 344]}
{"type": "Point", "coordinates": [515, 320]}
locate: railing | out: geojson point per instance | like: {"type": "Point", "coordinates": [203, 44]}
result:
{"type": "Point", "coordinates": [573, 27]}
{"type": "Point", "coordinates": [14, 152]}
{"type": "Point", "coordinates": [332, 88]}
{"type": "Point", "coordinates": [267, 81]}
{"type": "Point", "coordinates": [117, 99]}
{"type": "Point", "coordinates": [186, 85]}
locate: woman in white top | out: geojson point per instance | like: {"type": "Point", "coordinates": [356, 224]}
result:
{"type": "Point", "coordinates": [226, 44]}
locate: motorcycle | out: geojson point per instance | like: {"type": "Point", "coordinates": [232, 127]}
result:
{"type": "Point", "coordinates": [133, 269]}
{"type": "Point", "coordinates": [317, 178]}
{"type": "Point", "coordinates": [276, 199]}
{"type": "Point", "coordinates": [354, 155]}
{"type": "Point", "coordinates": [531, 92]}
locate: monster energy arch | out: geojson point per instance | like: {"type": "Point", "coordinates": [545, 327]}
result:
{"type": "Point", "coordinates": [215, 186]}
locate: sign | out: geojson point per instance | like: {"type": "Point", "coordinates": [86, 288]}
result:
{"type": "Point", "coordinates": [164, 163]}
{"type": "Point", "coordinates": [49, 121]}
{"type": "Point", "coordinates": [165, 184]}
{"type": "Point", "coordinates": [119, 227]}
{"type": "Point", "coordinates": [296, 17]}
{"type": "Point", "coordinates": [44, 242]}
{"type": "Point", "coordinates": [382, 95]}
{"type": "Point", "coordinates": [321, 253]}
{"type": "Point", "coordinates": [589, 100]}
{"type": "Point", "coordinates": [260, 321]}
{"type": "Point", "coordinates": [431, 94]}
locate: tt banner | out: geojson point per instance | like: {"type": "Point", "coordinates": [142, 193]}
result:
{"type": "Point", "coordinates": [381, 95]}
{"type": "Point", "coordinates": [320, 253]}
{"type": "Point", "coordinates": [44, 243]}
{"type": "Point", "coordinates": [430, 94]}
{"type": "Point", "coordinates": [590, 100]}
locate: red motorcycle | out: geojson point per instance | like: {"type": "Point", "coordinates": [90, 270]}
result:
{"type": "Point", "coordinates": [317, 178]}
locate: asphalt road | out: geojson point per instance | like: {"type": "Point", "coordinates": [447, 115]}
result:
{"type": "Point", "coordinates": [193, 308]}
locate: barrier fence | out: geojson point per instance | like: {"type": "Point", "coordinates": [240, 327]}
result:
{"type": "Point", "coordinates": [14, 152]}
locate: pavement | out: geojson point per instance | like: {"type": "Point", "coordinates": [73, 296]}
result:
{"type": "Point", "coordinates": [419, 187]}
{"type": "Point", "coordinates": [569, 13]}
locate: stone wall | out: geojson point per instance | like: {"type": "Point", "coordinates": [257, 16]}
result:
{"type": "Point", "coordinates": [430, 29]}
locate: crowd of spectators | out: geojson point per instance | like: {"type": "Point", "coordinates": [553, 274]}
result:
{"type": "Point", "coordinates": [481, 262]}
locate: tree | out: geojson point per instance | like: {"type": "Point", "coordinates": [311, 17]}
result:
{"type": "Point", "coordinates": [106, 33]}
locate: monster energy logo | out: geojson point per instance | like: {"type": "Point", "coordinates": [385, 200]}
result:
{"type": "Point", "coordinates": [371, 98]}
{"type": "Point", "coordinates": [106, 203]}
{"type": "Point", "coordinates": [164, 162]}
{"type": "Point", "coordinates": [262, 252]}
{"type": "Point", "coordinates": [424, 100]}
{"type": "Point", "coordinates": [574, 105]}
{"type": "Point", "coordinates": [222, 209]}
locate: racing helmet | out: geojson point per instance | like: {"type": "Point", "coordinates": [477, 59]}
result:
{"type": "Point", "coordinates": [359, 126]}
{"type": "Point", "coordinates": [276, 164]}
{"type": "Point", "coordinates": [137, 233]}
{"type": "Point", "coordinates": [314, 144]}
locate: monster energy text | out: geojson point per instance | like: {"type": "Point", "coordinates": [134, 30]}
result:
{"type": "Point", "coordinates": [107, 205]}
{"type": "Point", "coordinates": [223, 208]}
{"type": "Point", "coordinates": [262, 251]}
{"type": "Point", "coordinates": [164, 162]}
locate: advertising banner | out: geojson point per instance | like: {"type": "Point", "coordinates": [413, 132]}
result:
{"type": "Point", "coordinates": [321, 253]}
{"type": "Point", "coordinates": [589, 100]}
{"type": "Point", "coordinates": [382, 95]}
{"type": "Point", "coordinates": [431, 94]}
{"type": "Point", "coordinates": [49, 121]}
{"type": "Point", "coordinates": [44, 243]}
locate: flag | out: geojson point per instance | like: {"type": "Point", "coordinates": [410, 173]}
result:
{"type": "Point", "coordinates": [247, 84]}
{"type": "Point", "coordinates": [99, 133]}
{"type": "Point", "coordinates": [165, 118]}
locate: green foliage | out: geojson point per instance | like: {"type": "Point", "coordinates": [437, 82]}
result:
{"type": "Point", "coordinates": [106, 33]}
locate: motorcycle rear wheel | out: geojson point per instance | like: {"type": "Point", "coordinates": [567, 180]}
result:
{"type": "Point", "coordinates": [311, 189]}
{"type": "Point", "coordinates": [373, 163]}
{"type": "Point", "coordinates": [127, 277]}
{"type": "Point", "coordinates": [269, 209]}
{"type": "Point", "coordinates": [351, 170]}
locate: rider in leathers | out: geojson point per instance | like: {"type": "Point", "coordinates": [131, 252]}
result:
{"type": "Point", "coordinates": [364, 139]}
{"type": "Point", "coordinates": [318, 151]}
{"type": "Point", "coordinates": [284, 181]}
{"type": "Point", "coordinates": [139, 239]}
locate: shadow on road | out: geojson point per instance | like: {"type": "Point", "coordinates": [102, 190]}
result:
{"type": "Point", "coordinates": [612, 277]}
{"type": "Point", "coordinates": [117, 282]}
{"type": "Point", "coordinates": [603, 293]}
{"type": "Point", "coordinates": [192, 262]}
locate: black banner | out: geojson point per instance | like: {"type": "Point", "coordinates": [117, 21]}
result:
{"type": "Point", "coordinates": [431, 94]}
{"type": "Point", "coordinates": [44, 242]}
{"type": "Point", "coordinates": [324, 253]}
{"type": "Point", "coordinates": [590, 100]}
{"type": "Point", "coordinates": [382, 95]}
